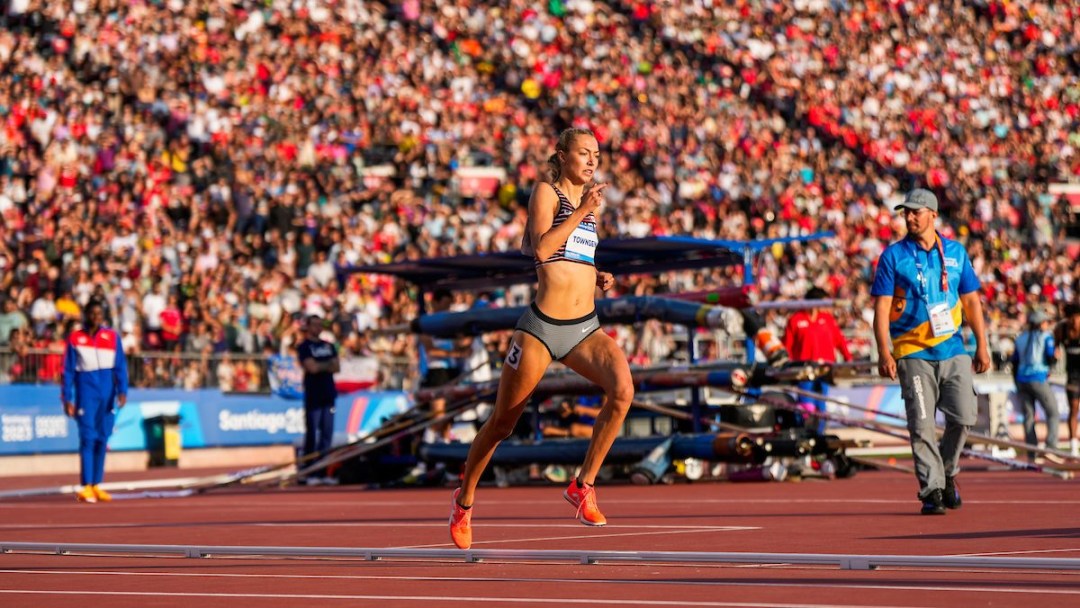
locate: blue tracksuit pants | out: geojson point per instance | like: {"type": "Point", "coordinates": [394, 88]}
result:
{"type": "Point", "coordinates": [95, 418]}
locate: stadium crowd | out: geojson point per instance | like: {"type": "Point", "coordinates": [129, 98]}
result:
{"type": "Point", "coordinates": [211, 169]}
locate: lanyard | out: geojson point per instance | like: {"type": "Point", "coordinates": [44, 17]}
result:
{"type": "Point", "coordinates": [944, 270]}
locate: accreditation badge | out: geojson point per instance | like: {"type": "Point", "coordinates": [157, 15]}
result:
{"type": "Point", "coordinates": [941, 320]}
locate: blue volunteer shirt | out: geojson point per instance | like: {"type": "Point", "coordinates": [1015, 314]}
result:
{"type": "Point", "coordinates": [319, 389]}
{"type": "Point", "coordinates": [1032, 354]}
{"type": "Point", "coordinates": [912, 277]}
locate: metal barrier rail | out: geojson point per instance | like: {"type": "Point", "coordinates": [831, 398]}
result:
{"type": "Point", "coordinates": [842, 561]}
{"type": "Point", "coordinates": [159, 369]}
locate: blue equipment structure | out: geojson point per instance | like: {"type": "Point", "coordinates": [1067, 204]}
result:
{"type": "Point", "coordinates": [648, 255]}
{"type": "Point", "coordinates": [626, 450]}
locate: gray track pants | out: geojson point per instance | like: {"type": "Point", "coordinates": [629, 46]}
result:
{"type": "Point", "coordinates": [1030, 392]}
{"type": "Point", "coordinates": [929, 386]}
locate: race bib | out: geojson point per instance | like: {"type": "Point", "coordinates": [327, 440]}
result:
{"type": "Point", "coordinates": [941, 321]}
{"type": "Point", "coordinates": [581, 246]}
{"type": "Point", "coordinates": [513, 358]}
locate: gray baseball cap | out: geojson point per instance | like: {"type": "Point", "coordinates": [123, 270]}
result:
{"type": "Point", "coordinates": [1038, 318]}
{"type": "Point", "coordinates": [919, 198]}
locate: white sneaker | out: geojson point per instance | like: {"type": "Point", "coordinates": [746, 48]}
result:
{"type": "Point", "coordinates": [330, 481]}
{"type": "Point", "coordinates": [312, 481]}
{"type": "Point", "coordinates": [1074, 447]}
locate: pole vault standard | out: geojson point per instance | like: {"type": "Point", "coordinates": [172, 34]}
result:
{"type": "Point", "coordinates": [841, 561]}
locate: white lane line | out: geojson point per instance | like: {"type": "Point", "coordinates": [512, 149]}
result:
{"type": "Point", "coordinates": [1023, 502]}
{"type": "Point", "coordinates": [365, 524]}
{"type": "Point", "coordinates": [810, 501]}
{"type": "Point", "coordinates": [598, 536]}
{"type": "Point", "coordinates": [498, 525]}
{"type": "Point", "coordinates": [441, 599]}
{"type": "Point", "coordinates": [361, 577]}
{"type": "Point", "coordinates": [989, 553]}
{"type": "Point", "coordinates": [558, 581]}
{"type": "Point", "coordinates": [209, 502]}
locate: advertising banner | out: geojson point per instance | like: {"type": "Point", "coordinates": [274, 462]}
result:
{"type": "Point", "coordinates": [32, 420]}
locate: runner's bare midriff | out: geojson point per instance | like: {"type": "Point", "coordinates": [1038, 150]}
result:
{"type": "Point", "coordinates": [567, 290]}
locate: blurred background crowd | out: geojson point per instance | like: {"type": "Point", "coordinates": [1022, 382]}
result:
{"type": "Point", "coordinates": [211, 169]}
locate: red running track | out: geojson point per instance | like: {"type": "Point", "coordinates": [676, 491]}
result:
{"type": "Point", "coordinates": [1008, 514]}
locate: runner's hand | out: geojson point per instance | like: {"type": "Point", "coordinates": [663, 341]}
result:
{"type": "Point", "coordinates": [593, 198]}
{"type": "Point", "coordinates": [605, 280]}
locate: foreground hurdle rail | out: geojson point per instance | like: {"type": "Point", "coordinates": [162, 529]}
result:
{"type": "Point", "coordinates": [842, 561]}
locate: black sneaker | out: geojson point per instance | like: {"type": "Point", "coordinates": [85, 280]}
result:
{"type": "Point", "coordinates": [951, 494]}
{"type": "Point", "coordinates": [933, 504]}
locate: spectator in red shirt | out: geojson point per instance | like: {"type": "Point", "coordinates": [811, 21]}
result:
{"type": "Point", "coordinates": [172, 324]}
{"type": "Point", "coordinates": [52, 362]}
{"type": "Point", "coordinates": [813, 335]}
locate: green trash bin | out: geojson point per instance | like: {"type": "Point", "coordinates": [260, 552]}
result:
{"type": "Point", "coordinates": [163, 440]}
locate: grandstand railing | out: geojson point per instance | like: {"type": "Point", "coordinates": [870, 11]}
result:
{"type": "Point", "coordinates": [249, 373]}
{"type": "Point", "coordinates": [720, 345]}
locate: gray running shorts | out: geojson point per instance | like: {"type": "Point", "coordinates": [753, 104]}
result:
{"type": "Point", "coordinates": [560, 336]}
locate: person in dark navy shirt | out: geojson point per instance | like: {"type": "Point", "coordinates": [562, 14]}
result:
{"type": "Point", "coordinates": [1068, 336]}
{"type": "Point", "coordinates": [319, 359]}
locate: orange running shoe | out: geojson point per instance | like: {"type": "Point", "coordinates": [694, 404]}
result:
{"type": "Point", "coordinates": [101, 495]}
{"type": "Point", "coordinates": [584, 498]}
{"type": "Point", "coordinates": [86, 494]}
{"type": "Point", "coordinates": [460, 523]}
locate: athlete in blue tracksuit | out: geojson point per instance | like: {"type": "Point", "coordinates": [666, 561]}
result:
{"type": "Point", "coordinates": [95, 384]}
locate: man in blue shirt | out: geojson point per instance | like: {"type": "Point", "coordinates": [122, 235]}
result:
{"type": "Point", "coordinates": [924, 289]}
{"type": "Point", "coordinates": [319, 359]}
{"type": "Point", "coordinates": [1032, 359]}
